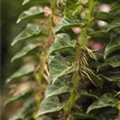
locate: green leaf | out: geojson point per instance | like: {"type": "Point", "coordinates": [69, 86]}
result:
{"type": "Point", "coordinates": [113, 62]}
{"type": "Point", "coordinates": [25, 70]}
{"type": "Point", "coordinates": [25, 2]}
{"type": "Point", "coordinates": [62, 41]}
{"type": "Point", "coordinates": [60, 67]}
{"type": "Point", "coordinates": [85, 93]}
{"type": "Point", "coordinates": [23, 111]}
{"type": "Point", "coordinates": [95, 79]}
{"type": "Point", "coordinates": [70, 7]}
{"type": "Point", "coordinates": [57, 89]}
{"type": "Point", "coordinates": [19, 96]}
{"type": "Point", "coordinates": [66, 23]}
{"type": "Point", "coordinates": [106, 100]}
{"type": "Point", "coordinates": [33, 11]}
{"type": "Point", "coordinates": [25, 50]}
{"type": "Point", "coordinates": [113, 46]}
{"type": "Point", "coordinates": [28, 32]}
{"type": "Point", "coordinates": [49, 105]}
{"type": "Point", "coordinates": [113, 25]}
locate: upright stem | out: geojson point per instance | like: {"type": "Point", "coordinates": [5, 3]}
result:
{"type": "Point", "coordinates": [83, 36]}
{"type": "Point", "coordinates": [82, 41]}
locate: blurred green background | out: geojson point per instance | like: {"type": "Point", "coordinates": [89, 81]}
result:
{"type": "Point", "coordinates": [10, 10]}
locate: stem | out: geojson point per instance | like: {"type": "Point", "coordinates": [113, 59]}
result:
{"type": "Point", "coordinates": [83, 36]}
{"type": "Point", "coordinates": [82, 41]}
{"type": "Point", "coordinates": [72, 98]}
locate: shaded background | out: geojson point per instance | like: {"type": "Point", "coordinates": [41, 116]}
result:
{"type": "Point", "coordinates": [10, 10]}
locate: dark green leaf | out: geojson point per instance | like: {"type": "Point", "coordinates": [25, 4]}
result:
{"type": "Point", "coordinates": [113, 46]}
{"type": "Point", "coordinates": [106, 100]}
{"type": "Point", "coordinates": [113, 25]}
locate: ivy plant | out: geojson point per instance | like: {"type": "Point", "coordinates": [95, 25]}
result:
{"type": "Point", "coordinates": [70, 61]}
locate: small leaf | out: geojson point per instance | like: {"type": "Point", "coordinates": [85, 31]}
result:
{"type": "Point", "coordinates": [28, 48]}
{"type": "Point", "coordinates": [25, 2]}
{"type": "Point", "coordinates": [25, 70]}
{"type": "Point", "coordinates": [113, 46]}
{"type": "Point", "coordinates": [70, 8]}
{"type": "Point", "coordinates": [113, 25]}
{"type": "Point", "coordinates": [62, 41]}
{"type": "Point", "coordinates": [28, 32]}
{"type": "Point", "coordinates": [49, 105]}
{"type": "Point", "coordinates": [19, 96]}
{"type": "Point", "coordinates": [97, 81]}
{"type": "Point", "coordinates": [59, 67]}
{"type": "Point", "coordinates": [57, 88]}
{"type": "Point", "coordinates": [33, 11]}
{"type": "Point", "coordinates": [85, 93]}
{"type": "Point", "coordinates": [113, 62]}
{"type": "Point", "coordinates": [106, 100]}
{"type": "Point", "coordinates": [66, 23]}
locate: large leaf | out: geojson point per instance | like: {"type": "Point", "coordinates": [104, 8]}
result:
{"type": "Point", "coordinates": [66, 23]}
{"type": "Point", "coordinates": [106, 100]}
{"type": "Point", "coordinates": [25, 50]}
{"type": "Point", "coordinates": [25, 70]}
{"type": "Point", "coordinates": [57, 88]}
{"type": "Point", "coordinates": [33, 11]}
{"type": "Point", "coordinates": [59, 67]}
{"type": "Point", "coordinates": [25, 110]}
{"type": "Point", "coordinates": [62, 41]}
{"type": "Point", "coordinates": [19, 96]}
{"type": "Point", "coordinates": [113, 46]}
{"type": "Point", "coordinates": [29, 31]}
{"type": "Point", "coordinates": [48, 105]}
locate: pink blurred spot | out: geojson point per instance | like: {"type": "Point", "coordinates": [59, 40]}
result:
{"type": "Point", "coordinates": [47, 11]}
{"type": "Point", "coordinates": [97, 46]}
{"type": "Point", "coordinates": [76, 30]}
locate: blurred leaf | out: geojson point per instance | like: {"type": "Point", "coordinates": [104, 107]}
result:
{"type": "Point", "coordinates": [31, 12]}
{"type": "Point", "coordinates": [48, 105]}
{"type": "Point", "coordinates": [59, 67]}
{"type": "Point", "coordinates": [113, 62]}
{"type": "Point", "coordinates": [25, 50]}
{"type": "Point", "coordinates": [106, 100]}
{"type": "Point", "coordinates": [25, 110]}
{"type": "Point", "coordinates": [25, 70]}
{"type": "Point", "coordinates": [113, 46]}
{"type": "Point", "coordinates": [70, 7]}
{"type": "Point", "coordinates": [19, 96]}
{"type": "Point", "coordinates": [28, 32]}
{"type": "Point", "coordinates": [113, 25]}
{"type": "Point", "coordinates": [62, 41]}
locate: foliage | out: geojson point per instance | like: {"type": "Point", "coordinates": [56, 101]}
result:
{"type": "Point", "coordinates": [72, 77]}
